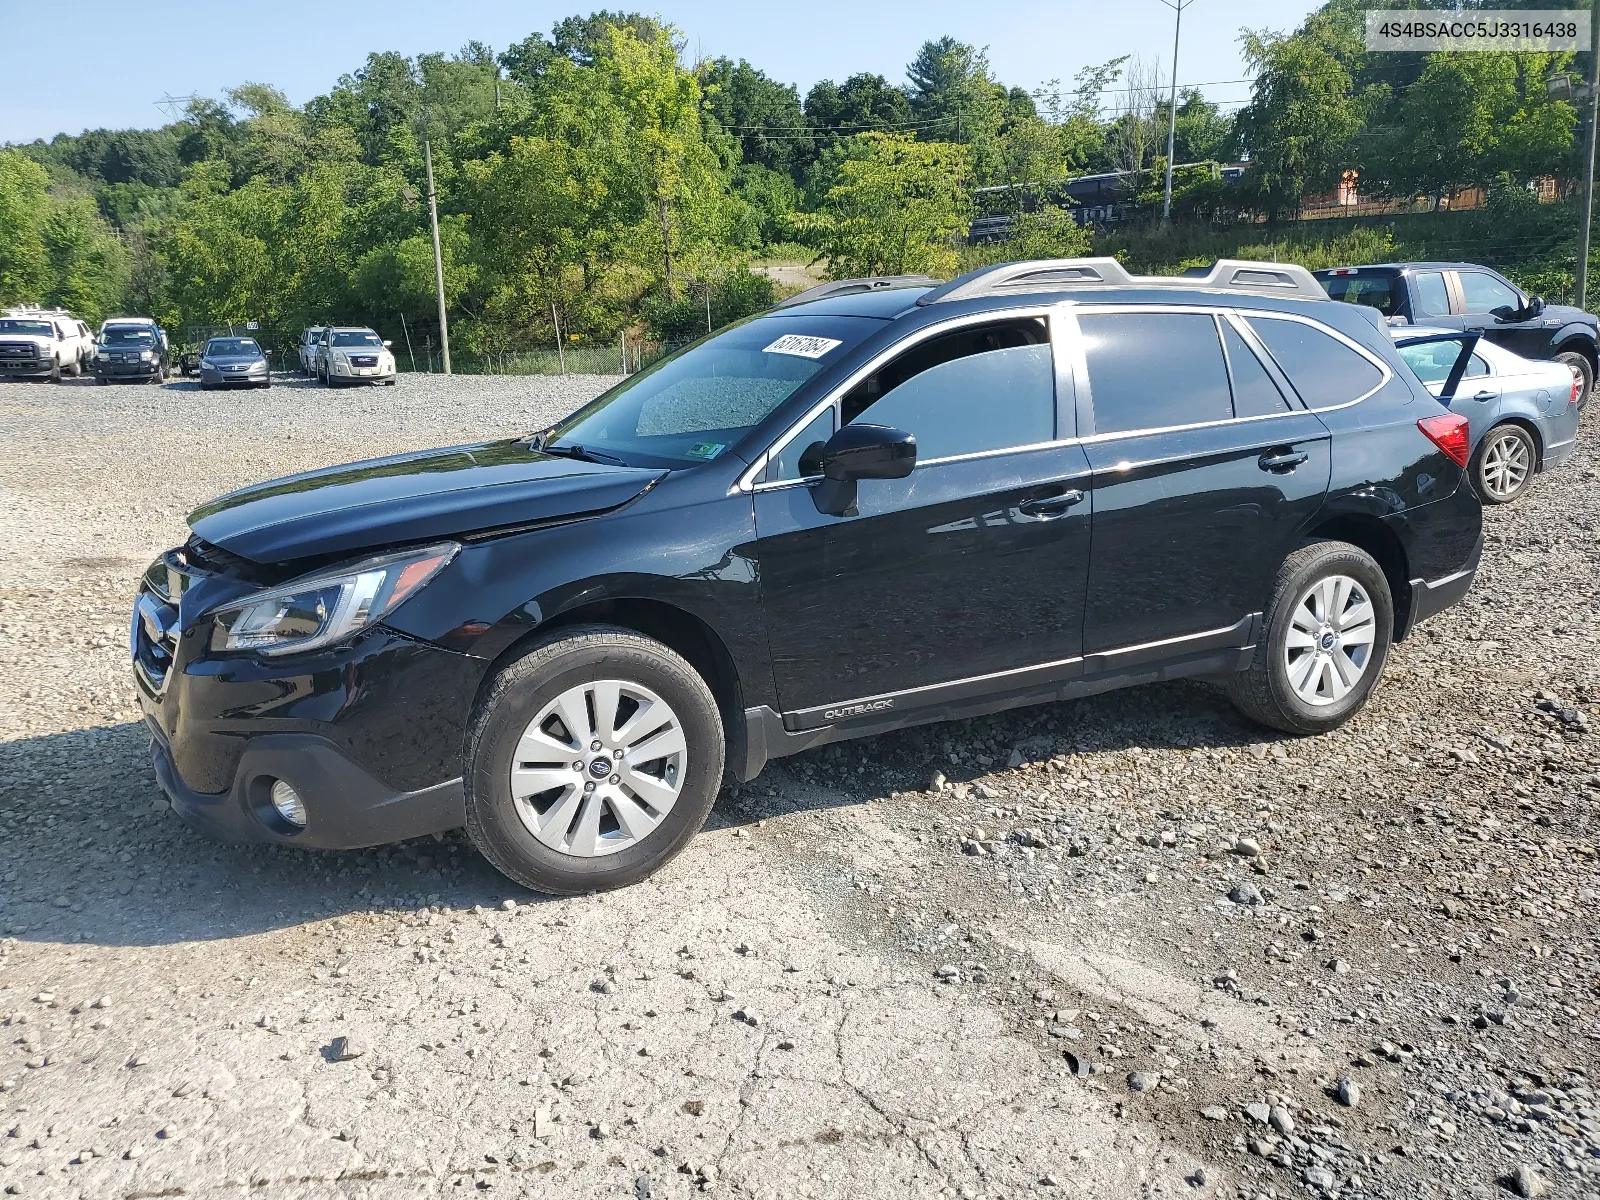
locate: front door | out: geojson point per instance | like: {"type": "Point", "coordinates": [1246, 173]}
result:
{"type": "Point", "coordinates": [1204, 472]}
{"type": "Point", "coordinates": [1481, 294]}
{"type": "Point", "coordinates": [959, 578]}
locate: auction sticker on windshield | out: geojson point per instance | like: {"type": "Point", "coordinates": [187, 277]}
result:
{"type": "Point", "coordinates": [802, 346]}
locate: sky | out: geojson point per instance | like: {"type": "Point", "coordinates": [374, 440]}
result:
{"type": "Point", "coordinates": [124, 61]}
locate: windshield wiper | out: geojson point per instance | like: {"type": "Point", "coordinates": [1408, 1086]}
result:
{"type": "Point", "coordinates": [583, 454]}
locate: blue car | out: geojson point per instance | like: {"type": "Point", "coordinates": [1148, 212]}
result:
{"type": "Point", "coordinates": [1523, 413]}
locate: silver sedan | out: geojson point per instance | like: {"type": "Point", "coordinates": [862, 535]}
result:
{"type": "Point", "coordinates": [233, 362]}
{"type": "Point", "coordinates": [1523, 413]}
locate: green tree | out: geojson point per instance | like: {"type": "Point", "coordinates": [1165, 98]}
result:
{"type": "Point", "coordinates": [88, 265]}
{"type": "Point", "coordinates": [1470, 119]}
{"type": "Point", "coordinates": [1301, 118]}
{"type": "Point", "coordinates": [24, 257]}
{"type": "Point", "coordinates": [897, 206]}
{"type": "Point", "coordinates": [761, 114]}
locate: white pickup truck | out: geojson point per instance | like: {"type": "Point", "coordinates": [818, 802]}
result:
{"type": "Point", "coordinates": [43, 343]}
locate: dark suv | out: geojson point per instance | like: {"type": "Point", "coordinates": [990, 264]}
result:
{"type": "Point", "coordinates": [1467, 296]}
{"type": "Point", "coordinates": [878, 504]}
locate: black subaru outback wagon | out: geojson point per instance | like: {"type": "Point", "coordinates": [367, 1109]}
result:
{"type": "Point", "coordinates": [881, 503]}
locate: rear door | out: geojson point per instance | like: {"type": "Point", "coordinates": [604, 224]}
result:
{"type": "Point", "coordinates": [1205, 468]}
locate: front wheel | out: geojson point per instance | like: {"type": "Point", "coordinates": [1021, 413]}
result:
{"type": "Point", "coordinates": [1502, 466]}
{"type": "Point", "coordinates": [593, 760]}
{"type": "Point", "coordinates": [1325, 643]}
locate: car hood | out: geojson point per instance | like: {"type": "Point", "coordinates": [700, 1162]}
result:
{"type": "Point", "coordinates": [1565, 314]}
{"type": "Point", "coordinates": [412, 497]}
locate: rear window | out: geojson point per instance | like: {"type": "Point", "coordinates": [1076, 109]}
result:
{"type": "Point", "coordinates": [1375, 291]}
{"type": "Point", "coordinates": [1155, 370]}
{"type": "Point", "coordinates": [1325, 371]}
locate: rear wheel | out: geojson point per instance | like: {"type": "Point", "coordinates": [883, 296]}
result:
{"type": "Point", "coordinates": [1325, 643]}
{"type": "Point", "coordinates": [1503, 464]}
{"type": "Point", "coordinates": [1581, 365]}
{"type": "Point", "coordinates": [594, 760]}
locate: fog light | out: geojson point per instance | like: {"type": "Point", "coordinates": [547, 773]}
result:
{"type": "Point", "coordinates": [288, 803]}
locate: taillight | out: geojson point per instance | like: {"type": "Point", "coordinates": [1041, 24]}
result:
{"type": "Point", "coordinates": [1448, 431]}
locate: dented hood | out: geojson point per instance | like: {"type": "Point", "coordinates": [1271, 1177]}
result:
{"type": "Point", "coordinates": [428, 495]}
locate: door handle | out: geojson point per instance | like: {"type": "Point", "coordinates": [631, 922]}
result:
{"type": "Point", "coordinates": [1282, 461]}
{"type": "Point", "coordinates": [1046, 507]}
{"type": "Point", "coordinates": [1485, 394]}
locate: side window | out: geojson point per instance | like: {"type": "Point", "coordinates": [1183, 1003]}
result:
{"type": "Point", "coordinates": [1154, 370]}
{"type": "Point", "coordinates": [1324, 370]}
{"type": "Point", "coordinates": [1254, 393]}
{"type": "Point", "coordinates": [1482, 293]}
{"type": "Point", "coordinates": [1432, 299]}
{"type": "Point", "coordinates": [1476, 366]}
{"type": "Point", "coordinates": [800, 458]}
{"type": "Point", "coordinates": [982, 387]}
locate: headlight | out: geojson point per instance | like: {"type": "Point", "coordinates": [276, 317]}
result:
{"type": "Point", "coordinates": [207, 363]}
{"type": "Point", "coordinates": [327, 606]}
{"type": "Point", "coordinates": [146, 355]}
{"type": "Point", "coordinates": [340, 356]}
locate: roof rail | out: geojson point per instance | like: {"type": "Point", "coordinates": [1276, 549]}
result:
{"type": "Point", "coordinates": [1053, 274]}
{"type": "Point", "coordinates": [851, 287]}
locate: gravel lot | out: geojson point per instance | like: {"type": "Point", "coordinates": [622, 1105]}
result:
{"type": "Point", "coordinates": [1125, 946]}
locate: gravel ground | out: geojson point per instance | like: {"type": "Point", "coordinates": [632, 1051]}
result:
{"type": "Point", "coordinates": [1125, 946]}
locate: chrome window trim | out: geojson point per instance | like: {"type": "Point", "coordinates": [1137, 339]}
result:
{"type": "Point", "coordinates": [808, 480]}
{"type": "Point", "coordinates": [747, 481]}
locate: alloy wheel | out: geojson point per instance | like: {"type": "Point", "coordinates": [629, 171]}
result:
{"type": "Point", "coordinates": [599, 768]}
{"type": "Point", "coordinates": [1506, 465]}
{"type": "Point", "coordinates": [1330, 639]}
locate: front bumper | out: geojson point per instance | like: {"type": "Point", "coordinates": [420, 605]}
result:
{"type": "Point", "coordinates": [28, 367]}
{"type": "Point", "coordinates": [370, 733]}
{"type": "Point", "coordinates": [343, 374]}
{"type": "Point", "coordinates": [211, 377]}
{"type": "Point", "coordinates": [124, 370]}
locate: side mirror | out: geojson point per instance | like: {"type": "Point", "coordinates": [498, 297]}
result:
{"type": "Point", "coordinates": [387, 344]}
{"type": "Point", "coordinates": [1535, 307]}
{"type": "Point", "coordinates": [861, 452]}
{"type": "Point", "coordinates": [869, 452]}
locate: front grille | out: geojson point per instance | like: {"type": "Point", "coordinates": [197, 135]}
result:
{"type": "Point", "coordinates": [363, 360]}
{"type": "Point", "coordinates": [19, 350]}
{"type": "Point", "coordinates": [153, 638]}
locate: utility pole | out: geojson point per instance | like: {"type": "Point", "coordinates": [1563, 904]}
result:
{"type": "Point", "coordinates": [1177, 6]}
{"type": "Point", "coordinates": [438, 257]}
{"type": "Point", "coordinates": [1582, 281]}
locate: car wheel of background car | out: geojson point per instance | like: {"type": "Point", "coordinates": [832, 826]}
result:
{"type": "Point", "coordinates": [1502, 467]}
{"type": "Point", "coordinates": [592, 761]}
{"type": "Point", "coordinates": [1324, 644]}
{"type": "Point", "coordinates": [1580, 364]}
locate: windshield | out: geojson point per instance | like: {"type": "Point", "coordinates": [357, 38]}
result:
{"type": "Point", "coordinates": [689, 408]}
{"type": "Point", "coordinates": [33, 327]}
{"type": "Point", "coordinates": [233, 348]}
{"type": "Point", "coordinates": [357, 339]}
{"type": "Point", "coordinates": [1375, 291]}
{"type": "Point", "coordinates": [127, 336]}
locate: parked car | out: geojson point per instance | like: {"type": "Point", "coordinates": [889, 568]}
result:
{"type": "Point", "coordinates": [306, 348]}
{"type": "Point", "coordinates": [1523, 414]}
{"type": "Point", "coordinates": [354, 354]}
{"type": "Point", "coordinates": [43, 343]}
{"type": "Point", "coordinates": [130, 348]}
{"type": "Point", "coordinates": [1473, 298]}
{"type": "Point", "coordinates": [877, 504]}
{"type": "Point", "coordinates": [233, 362]}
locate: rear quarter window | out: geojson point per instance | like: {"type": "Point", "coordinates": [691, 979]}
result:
{"type": "Point", "coordinates": [1324, 370]}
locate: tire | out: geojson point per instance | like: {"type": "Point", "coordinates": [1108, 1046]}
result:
{"type": "Point", "coordinates": [1503, 465]}
{"type": "Point", "coordinates": [55, 373]}
{"type": "Point", "coordinates": [1267, 692]}
{"type": "Point", "coordinates": [1581, 365]}
{"type": "Point", "coordinates": [102, 381]}
{"type": "Point", "coordinates": [575, 853]}
{"type": "Point", "coordinates": [75, 370]}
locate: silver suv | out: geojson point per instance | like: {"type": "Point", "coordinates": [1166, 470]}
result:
{"type": "Point", "coordinates": [353, 354]}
